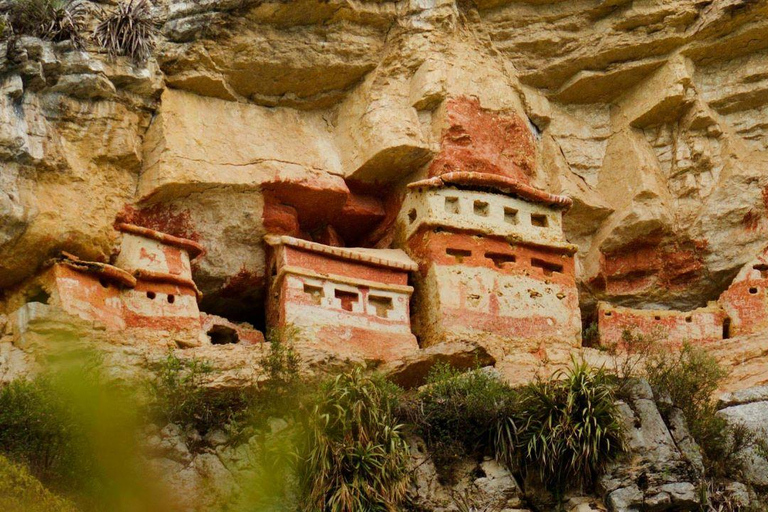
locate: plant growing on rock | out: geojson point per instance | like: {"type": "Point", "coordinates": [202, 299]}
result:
{"type": "Point", "coordinates": [569, 427]}
{"type": "Point", "coordinates": [457, 414]}
{"type": "Point", "coordinates": [52, 20]}
{"type": "Point", "coordinates": [37, 428]}
{"type": "Point", "coordinates": [20, 491]}
{"type": "Point", "coordinates": [178, 395]}
{"type": "Point", "coordinates": [127, 31]}
{"type": "Point", "coordinates": [351, 452]}
{"type": "Point", "coordinates": [689, 378]}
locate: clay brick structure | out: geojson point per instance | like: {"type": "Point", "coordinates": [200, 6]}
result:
{"type": "Point", "coordinates": [493, 261]}
{"type": "Point", "coordinates": [354, 302]}
{"type": "Point", "coordinates": [742, 309]}
{"type": "Point", "coordinates": [701, 325]}
{"type": "Point", "coordinates": [745, 302]}
{"type": "Point", "coordinates": [165, 297]}
{"type": "Point", "coordinates": [149, 287]}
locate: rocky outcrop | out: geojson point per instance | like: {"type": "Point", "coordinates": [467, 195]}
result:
{"type": "Point", "coordinates": [746, 411]}
{"type": "Point", "coordinates": [649, 116]}
{"type": "Point", "coordinates": [662, 469]}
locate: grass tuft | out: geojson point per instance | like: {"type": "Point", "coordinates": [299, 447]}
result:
{"type": "Point", "coordinates": [351, 452]}
{"type": "Point", "coordinates": [127, 31]}
{"type": "Point", "coordinates": [52, 20]}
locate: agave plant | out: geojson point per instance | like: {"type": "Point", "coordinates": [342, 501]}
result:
{"type": "Point", "coordinates": [570, 426]}
{"type": "Point", "coordinates": [352, 455]}
{"type": "Point", "coordinates": [52, 20]}
{"type": "Point", "coordinates": [127, 31]}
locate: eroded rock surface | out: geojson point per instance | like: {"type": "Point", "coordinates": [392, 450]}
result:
{"type": "Point", "coordinates": [649, 116]}
{"type": "Point", "coordinates": [662, 469]}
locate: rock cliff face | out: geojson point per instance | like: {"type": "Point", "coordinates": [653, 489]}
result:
{"type": "Point", "coordinates": [310, 118]}
{"type": "Point", "coordinates": [303, 116]}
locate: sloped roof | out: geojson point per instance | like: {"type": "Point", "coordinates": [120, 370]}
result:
{"type": "Point", "coordinates": [502, 184]}
{"type": "Point", "coordinates": [389, 258]}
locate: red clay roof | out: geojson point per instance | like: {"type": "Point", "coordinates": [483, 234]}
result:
{"type": "Point", "coordinates": [475, 180]}
{"type": "Point", "coordinates": [193, 248]}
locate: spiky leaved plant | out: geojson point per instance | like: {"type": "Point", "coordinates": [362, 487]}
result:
{"type": "Point", "coordinates": [569, 427]}
{"type": "Point", "coordinates": [351, 453]}
{"type": "Point", "coordinates": [52, 20]}
{"type": "Point", "coordinates": [127, 31]}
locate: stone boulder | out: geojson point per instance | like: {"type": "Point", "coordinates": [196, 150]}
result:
{"type": "Point", "coordinates": [656, 473]}
{"type": "Point", "coordinates": [747, 413]}
{"type": "Point", "coordinates": [411, 371]}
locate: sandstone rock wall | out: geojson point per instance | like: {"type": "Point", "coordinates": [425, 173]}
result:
{"type": "Point", "coordinates": [647, 113]}
{"type": "Point", "coordinates": [309, 118]}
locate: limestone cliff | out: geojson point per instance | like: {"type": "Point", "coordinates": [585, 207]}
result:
{"type": "Point", "coordinates": [640, 123]}
{"type": "Point", "coordinates": [648, 114]}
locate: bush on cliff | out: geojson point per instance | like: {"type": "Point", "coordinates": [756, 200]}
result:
{"type": "Point", "coordinates": [689, 378]}
{"type": "Point", "coordinates": [178, 395]}
{"type": "Point", "coordinates": [38, 428]}
{"type": "Point", "coordinates": [129, 30]}
{"type": "Point", "coordinates": [457, 413]}
{"type": "Point", "coordinates": [568, 427]}
{"type": "Point", "coordinates": [351, 452]}
{"type": "Point", "coordinates": [21, 492]}
{"type": "Point", "coordinates": [52, 20]}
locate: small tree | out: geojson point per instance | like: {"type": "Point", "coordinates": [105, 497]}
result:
{"type": "Point", "coordinates": [690, 378]}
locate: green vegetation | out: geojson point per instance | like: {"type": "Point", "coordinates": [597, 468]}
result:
{"type": "Point", "coordinates": [21, 492]}
{"type": "Point", "coordinates": [690, 378]}
{"type": "Point", "coordinates": [128, 31]}
{"type": "Point", "coordinates": [178, 395]}
{"type": "Point", "coordinates": [52, 20]}
{"type": "Point", "coordinates": [569, 426]}
{"type": "Point", "coordinates": [351, 452]}
{"type": "Point", "coordinates": [566, 427]}
{"type": "Point", "coordinates": [457, 414]}
{"type": "Point", "coordinates": [336, 446]}
{"type": "Point", "coordinates": [38, 429]}
{"type": "Point", "coordinates": [76, 432]}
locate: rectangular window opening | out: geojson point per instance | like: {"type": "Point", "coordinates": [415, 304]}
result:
{"type": "Point", "coordinates": [316, 292]}
{"type": "Point", "coordinates": [459, 254]}
{"type": "Point", "coordinates": [348, 299]}
{"type": "Point", "coordinates": [548, 267]}
{"type": "Point", "coordinates": [481, 208]}
{"type": "Point", "coordinates": [510, 215]}
{"type": "Point", "coordinates": [452, 204]}
{"type": "Point", "coordinates": [382, 304]}
{"type": "Point", "coordinates": [539, 220]}
{"type": "Point", "coordinates": [763, 268]}
{"type": "Point", "coordinates": [500, 259]}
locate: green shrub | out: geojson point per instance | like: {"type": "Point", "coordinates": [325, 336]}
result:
{"type": "Point", "coordinates": [591, 336]}
{"type": "Point", "coordinates": [129, 30]}
{"type": "Point", "coordinates": [283, 388]}
{"type": "Point", "coordinates": [21, 492]}
{"type": "Point", "coordinates": [52, 20]}
{"type": "Point", "coordinates": [351, 453]}
{"type": "Point", "coordinates": [178, 395]}
{"type": "Point", "coordinates": [690, 378]}
{"type": "Point", "coordinates": [569, 427]}
{"type": "Point", "coordinates": [38, 428]}
{"type": "Point", "coordinates": [76, 430]}
{"type": "Point", "coordinates": [456, 414]}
